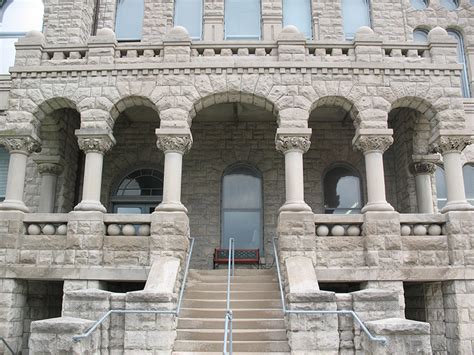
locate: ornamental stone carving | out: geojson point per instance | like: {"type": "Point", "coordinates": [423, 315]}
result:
{"type": "Point", "coordinates": [174, 143]}
{"type": "Point", "coordinates": [50, 168]}
{"type": "Point", "coordinates": [21, 144]}
{"type": "Point", "coordinates": [99, 144]}
{"type": "Point", "coordinates": [373, 143]}
{"type": "Point", "coordinates": [288, 143]}
{"type": "Point", "coordinates": [446, 144]}
{"type": "Point", "coordinates": [423, 167]}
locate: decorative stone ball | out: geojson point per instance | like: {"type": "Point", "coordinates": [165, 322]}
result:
{"type": "Point", "coordinates": [128, 230]}
{"type": "Point", "coordinates": [337, 230]}
{"type": "Point", "coordinates": [113, 229]}
{"type": "Point", "coordinates": [49, 229]}
{"type": "Point", "coordinates": [322, 230]}
{"type": "Point", "coordinates": [419, 230]}
{"type": "Point", "coordinates": [353, 231]}
{"type": "Point", "coordinates": [34, 229]}
{"type": "Point", "coordinates": [144, 230]}
{"type": "Point", "coordinates": [405, 229]}
{"type": "Point", "coordinates": [434, 229]}
{"type": "Point", "coordinates": [62, 229]}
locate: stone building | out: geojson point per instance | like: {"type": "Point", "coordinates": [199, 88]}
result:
{"type": "Point", "coordinates": [341, 127]}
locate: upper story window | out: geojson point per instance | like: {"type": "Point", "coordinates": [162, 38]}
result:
{"type": "Point", "coordinates": [342, 193]}
{"type": "Point", "coordinates": [419, 4]}
{"type": "Point", "coordinates": [16, 18]}
{"type": "Point", "coordinates": [441, 193]}
{"type": "Point", "coordinates": [420, 35]}
{"type": "Point", "coordinates": [298, 13]}
{"type": "Point", "coordinates": [188, 13]}
{"type": "Point", "coordinates": [355, 14]}
{"type": "Point", "coordinates": [242, 19]}
{"type": "Point", "coordinates": [462, 60]}
{"type": "Point", "coordinates": [4, 161]}
{"type": "Point", "coordinates": [129, 20]}
{"type": "Point", "coordinates": [450, 4]}
{"type": "Point", "coordinates": [468, 173]}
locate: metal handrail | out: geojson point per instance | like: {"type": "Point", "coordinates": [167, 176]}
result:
{"type": "Point", "coordinates": [7, 345]}
{"type": "Point", "coordinates": [175, 311]}
{"type": "Point", "coordinates": [228, 311]}
{"type": "Point", "coordinates": [354, 315]}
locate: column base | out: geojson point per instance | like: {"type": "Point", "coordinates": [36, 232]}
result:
{"type": "Point", "coordinates": [171, 207]}
{"type": "Point", "coordinates": [378, 207]}
{"type": "Point", "coordinates": [14, 205]}
{"type": "Point", "coordinates": [457, 206]}
{"type": "Point", "coordinates": [90, 206]}
{"type": "Point", "coordinates": [295, 207]}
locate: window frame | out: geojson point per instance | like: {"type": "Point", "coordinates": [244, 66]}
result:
{"type": "Point", "coordinates": [455, 3]}
{"type": "Point", "coordinates": [420, 30]}
{"type": "Point", "coordinates": [4, 152]}
{"type": "Point", "coordinates": [201, 28]}
{"type": "Point", "coordinates": [243, 37]}
{"type": "Point", "coordinates": [115, 25]}
{"type": "Point", "coordinates": [466, 90]}
{"type": "Point", "coordinates": [440, 169]}
{"type": "Point", "coordinates": [311, 24]}
{"type": "Point", "coordinates": [347, 36]}
{"type": "Point", "coordinates": [426, 2]}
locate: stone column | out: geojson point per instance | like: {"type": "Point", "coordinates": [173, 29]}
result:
{"type": "Point", "coordinates": [293, 143]}
{"type": "Point", "coordinates": [423, 171]}
{"type": "Point", "coordinates": [451, 146]}
{"type": "Point", "coordinates": [174, 142]}
{"type": "Point", "coordinates": [20, 147]}
{"type": "Point", "coordinates": [373, 145]}
{"type": "Point", "coordinates": [95, 143]}
{"type": "Point", "coordinates": [49, 169]}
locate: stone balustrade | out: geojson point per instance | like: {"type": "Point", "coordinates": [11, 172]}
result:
{"type": "Point", "coordinates": [127, 225]}
{"type": "Point", "coordinates": [45, 224]}
{"type": "Point", "coordinates": [338, 225]}
{"type": "Point", "coordinates": [422, 224]}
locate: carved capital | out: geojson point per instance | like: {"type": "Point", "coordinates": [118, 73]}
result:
{"type": "Point", "coordinates": [24, 144]}
{"type": "Point", "coordinates": [50, 168]}
{"type": "Point", "coordinates": [100, 143]}
{"type": "Point", "coordinates": [287, 143]}
{"type": "Point", "coordinates": [446, 144]}
{"type": "Point", "coordinates": [174, 143]}
{"type": "Point", "coordinates": [373, 143]}
{"type": "Point", "coordinates": [423, 167]}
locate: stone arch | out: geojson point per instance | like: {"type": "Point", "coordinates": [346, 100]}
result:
{"type": "Point", "coordinates": [348, 105]}
{"type": "Point", "coordinates": [416, 103]}
{"type": "Point", "coordinates": [128, 102]}
{"type": "Point", "coordinates": [47, 107]}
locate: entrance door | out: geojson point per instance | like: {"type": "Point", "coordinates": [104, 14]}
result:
{"type": "Point", "coordinates": [242, 212]}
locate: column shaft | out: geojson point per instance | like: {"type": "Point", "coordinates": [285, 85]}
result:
{"type": "Point", "coordinates": [424, 194]}
{"type": "Point", "coordinates": [454, 177]}
{"type": "Point", "coordinates": [48, 193]}
{"type": "Point", "coordinates": [172, 177]}
{"type": "Point", "coordinates": [294, 183]}
{"type": "Point", "coordinates": [16, 179]}
{"type": "Point", "coordinates": [92, 183]}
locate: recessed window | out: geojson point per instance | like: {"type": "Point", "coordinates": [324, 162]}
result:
{"type": "Point", "coordinates": [450, 4]}
{"type": "Point", "coordinates": [342, 193]}
{"type": "Point", "coordinates": [461, 60]}
{"type": "Point", "coordinates": [419, 4]}
{"type": "Point", "coordinates": [441, 193]}
{"type": "Point", "coordinates": [242, 19]}
{"type": "Point", "coordinates": [129, 20]}
{"type": "Point", "coordinates": [355, 14]}
{"type": "Point", "coordinates": [298, 13]}
{"type": "Point", "coordinates": [420, 35]}
{"type": "Point", "coordinates": [188, 13]}
{"type": "Point", "coordinates": [4, 161]}
{"type": "Point", "coordinates": [17, 18]}
{"type": "Point", "coordinates": [468, 173]}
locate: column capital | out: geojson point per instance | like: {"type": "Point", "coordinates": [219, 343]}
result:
{"type": "Point", "coordinates": [179, 140]}
{"type": "Point", "coordinates": [423, 167]}
{"type": "Point", "coordinates": [451, 143]}
{"type": "Point", "coordinates": [296, 139]}
{"type": "Point", "coordinates": [94, 140]}
{"type": "Point", "coordinates": [49, 165]}
{"type": "Point", "coordinates": [375, 140]}
{"type": "Point", "coordinates": [26, 144]}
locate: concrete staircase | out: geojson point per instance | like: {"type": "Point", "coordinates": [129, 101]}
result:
{"type": "Point", "coordinates": [259, 325]}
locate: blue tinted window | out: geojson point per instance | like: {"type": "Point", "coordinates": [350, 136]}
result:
{"type": "Point", "coordinates": [450, 4]}
{"type": "Point", "coordinates": [129, 20]}
{"type": "Point", "coordinates": [342, 193]}
{"type": "Point", "coordinates": [441, 194]}
{"type": "Point", "coordinates": [298, 13]}
{"type": "Point", "coordinates": [468, 173]}
{"type": "Point", "coordinates": [188, 13]}
{"type": "Point", "coordinates": [461, 60]}
{"type": "Point", "coordinates": [4, 162]}
{"type": "Point", "coordinates": [420, 36]}
{"type": "Point", "coordinates": [419, 4]}
{"type": "Point", "coordinates": [355, 13]}
{"type": "Point", "coordinates": [242, 19]}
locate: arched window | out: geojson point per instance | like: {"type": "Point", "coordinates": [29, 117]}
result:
{"type": "Point", "coordinates": [342, 192]}
{"type": "Point", "coordinates": [129, 20]}
{"type": "Point", "coordinates": [441, 193]}
{"type": "Point", "coordinates": [420, 35]}
{"type": "Point", "coordinates": [17, 17]}
{"type": "Point", "coordinates": [298, 13]}
{"type": "Point", "coordinates": [188, 13]}
{"type": "Point", "coordinates": [242, 19]}
{"type": "Point", "coordinates": [468, 173]}
{"type": "Point", "coordinates": [355, 14]}
{"type": "Point", "coordinates": [139, 192]}
{"type": "Point", "coordinates": [461, 60]}
{"type": "Point", "coordinates": [450, 4]}
{"type": "Point", "coordinates": [419, 4]}
{"type": "Point", "coordinates": [242, 212]}
{"type": "Point", "coordinates": [4, 161]}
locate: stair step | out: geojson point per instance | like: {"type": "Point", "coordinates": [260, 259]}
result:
{"type": "Point", "coordinates": [235, 295]}
{"type": "Point", "coordinates": [238, 334]}
{"type": "Point", "coordinates": [235, 353]}
{"type": "Point", "coordinates": [190, 345]}
{"type": "Point", "coordinates": [235, 304]}
{"type": "Point", "coordinates": [193, 278]}
{"type": "Point", "coordinates": [260, 286]}
{"type": "Point", "coordinates": [238, 271]}
{"type": "Point", "coordinates": [218, 323]}
{"type": "Point", "coordinates": [237, 313]}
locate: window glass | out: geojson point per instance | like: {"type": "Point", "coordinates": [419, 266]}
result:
{"type": "Point", "coordinates": [242, 19]}
{"type": "Point", "coordinates": [450, 4]}
{"type": "Point", "coordinates": [468, 173]}
{"type": "Point", "coordinates": [17, 17]}
{"type": "Point", "coordinates": [420, 36]}
{"type": "Point", "coordinates": [441, 194]}
{"type": "Point", "coordinates": [129, 20]}
{"type": "Point", "coordinates": [461, 60]}
{"type": "Point", "coordinates": [188, 13]}
{"type": "Point", "coordinates": [4, 161]}
{"type": "Point", "coordinates": [298, 13]}
{"type": "Point", "coordinates": [242, 208]}
{"type": "Point", "coordinates": [355, 14]}
{"type": "Point", "coordinates": [419, 4]}
{"type": "Point", "coordinates": [342, 193]}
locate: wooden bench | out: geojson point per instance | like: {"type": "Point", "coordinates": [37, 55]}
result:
{"type": "Point", "coordinates": [241, 256]}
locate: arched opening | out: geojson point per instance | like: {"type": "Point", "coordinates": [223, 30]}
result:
{"type": "Point", "coordinates": [342, 191]}
{"type": "Point", "coordinates": [466, 91]}
{"type": "Point", "coordinates": [420, 35]}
